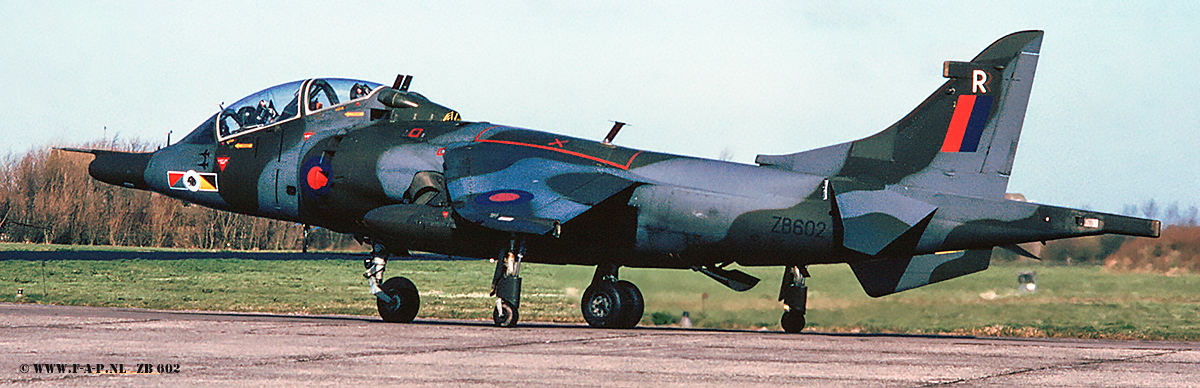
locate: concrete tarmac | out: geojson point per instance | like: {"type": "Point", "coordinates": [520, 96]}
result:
{"type": "Point", "coordinates": [228, 349]}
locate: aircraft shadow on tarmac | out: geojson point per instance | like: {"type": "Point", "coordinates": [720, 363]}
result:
{"type": "Point", "coordinates": [544, 325]}
{"type": "Point", "coordinates": [108, 255]}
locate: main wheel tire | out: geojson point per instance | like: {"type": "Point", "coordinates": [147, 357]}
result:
{"type": "Point", "coordinates": [409, 301]}
{"type": "Point", "coordinates": [634, 306]}
{"type": "Point", "coordinates": [603, 305]}
{"type": "Point", "coordinates": [506, 315]}
{"type": "Point", "coordinates": [792, 321]}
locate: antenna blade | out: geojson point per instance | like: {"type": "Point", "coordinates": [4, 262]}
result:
{"type": "Point", "coordinates": [407, 80]}
{"type": "Point", "coordinates": [612, 133]}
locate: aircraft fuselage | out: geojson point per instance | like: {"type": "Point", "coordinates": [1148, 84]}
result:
{"type": "Point", "coordinates": [919, 202]}
{"type": "Point", "coordinates": [696, 211]}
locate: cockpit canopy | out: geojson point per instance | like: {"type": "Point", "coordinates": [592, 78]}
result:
{"type": "Point", "coordinates": [266, 107]}
{"type": "Point", "coordinates": [282, 102]}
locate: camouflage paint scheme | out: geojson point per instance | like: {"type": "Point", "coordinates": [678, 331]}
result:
{"type": "Point", "coordinates": [920, 202]}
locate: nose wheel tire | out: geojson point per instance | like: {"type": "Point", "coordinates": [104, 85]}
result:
{"type": "Point", "coordinates": [406, 301]}
{"type": "Point", "coordinates": [505, 314]}
{"type": "Point", "coordinates": [615, 305]}
{"type": "Point", "coordinates": [792, 321]}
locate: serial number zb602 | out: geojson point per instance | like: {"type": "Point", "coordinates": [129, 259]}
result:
{"type": "Point", "coordinates": [784, 225]}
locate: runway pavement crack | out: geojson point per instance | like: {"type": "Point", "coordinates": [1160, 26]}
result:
{"type": "Point", "coordinates": [78, 325]}
{"type": "Point", "coordinates": [325, 357]}
{"type": "Point", "coordinates": [1070, 365]}
{"type": "Point", "coordinates": [51, 379]}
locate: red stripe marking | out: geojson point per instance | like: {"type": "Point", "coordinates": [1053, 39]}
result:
{"type": "Point", "coordinates": [958, 123]}
{"type": "Point", "coordinates": [572, 153]}
{"type": "Point", "coordinates": [484, 130]}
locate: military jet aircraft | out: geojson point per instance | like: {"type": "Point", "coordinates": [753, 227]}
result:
{"type": "Point", "coordinates": [920, 202]}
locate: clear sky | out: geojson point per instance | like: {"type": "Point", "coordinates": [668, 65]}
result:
{"type": "Point", "coordinates": [1113, 119]}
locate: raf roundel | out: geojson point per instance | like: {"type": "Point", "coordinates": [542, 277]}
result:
{"type": "Point", "coordinates": [314, 177]}
{"type": "Point", "coordinates": [503, 197]}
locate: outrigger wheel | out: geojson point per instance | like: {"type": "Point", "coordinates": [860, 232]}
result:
{"type": "Point", "coordinates": [404, 292]}
{"type": "Point", "coordinates": [792, 321]}
{"type": "Point", "coordinates": [794, 294]}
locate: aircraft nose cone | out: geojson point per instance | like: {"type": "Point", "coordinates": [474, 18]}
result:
{"type": "Point", "coordinates": [120, 168]}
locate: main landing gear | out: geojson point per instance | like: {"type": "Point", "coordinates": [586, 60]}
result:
{"type": "Point", "coordinates": [397, 297]}
{"type": "Point", "coordinates": [794, 294]}
{"type": "Point", "coordinates": [506, 284]}
{"type": "Point", "coordinates": [611, 303]}
{"type": "Point", "coordinates": [608, 302]}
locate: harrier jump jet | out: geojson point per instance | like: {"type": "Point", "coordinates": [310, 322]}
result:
{"type": "Point", "coordinates": [917, 203]}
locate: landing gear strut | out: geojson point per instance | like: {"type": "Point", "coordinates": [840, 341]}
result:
{"type": "Point", "coordinates": [611, 303]}
{"type": "Point", "coordinates": [794, 294]}
{"type": "Point", "coordinates": [506, 284]}
{"type": "Point", "coordinates": [397, 297]}
{"type": "Point", "coordinates": [304, 239]}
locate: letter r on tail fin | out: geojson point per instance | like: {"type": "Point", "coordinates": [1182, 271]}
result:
{"type": "Point", "coordinates": [979, 81]}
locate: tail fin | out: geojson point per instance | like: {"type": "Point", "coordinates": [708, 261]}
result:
{"type": "Point", "coordinates": [961, 139]}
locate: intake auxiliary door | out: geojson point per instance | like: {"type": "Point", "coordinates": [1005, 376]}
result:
{"type": "Point", "coordinates": [288, 139]}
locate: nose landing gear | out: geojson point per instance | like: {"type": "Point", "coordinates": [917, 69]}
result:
{"type": "Point", "coordinates": [404, 304]}
{"type": "Point", "coordinates": [396, 298]}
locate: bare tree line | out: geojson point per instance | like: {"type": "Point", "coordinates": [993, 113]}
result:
{"type": "Point", "coordinates": [1174, 214]}
{"type": "Point", "coordinates": [46, 196]}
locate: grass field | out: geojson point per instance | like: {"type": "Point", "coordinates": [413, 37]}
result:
{"type": "Point", "coordinates": [1080, 301]}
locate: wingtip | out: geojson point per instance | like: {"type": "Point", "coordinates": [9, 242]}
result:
{"type": "Point", "coordinates": [1132, 226]}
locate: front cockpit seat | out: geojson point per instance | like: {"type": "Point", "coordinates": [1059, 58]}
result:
{"type": "Point", "coordinates": [318, 89]}
{"type": "Point", "coordinates": [245, 116]}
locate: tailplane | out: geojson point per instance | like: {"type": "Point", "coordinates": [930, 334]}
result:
{"type": "Point", "coordinates": [889, 276]}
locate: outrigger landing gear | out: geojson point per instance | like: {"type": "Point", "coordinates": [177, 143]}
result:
{"type": "Point", "coordinates": [397, 298]}
{"type": "Point", "coordinates": [794, 294]}
{"type": "Point", "coordinates": [506, 284]}
{"type": "Point", "coordinates": [611, 303]}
